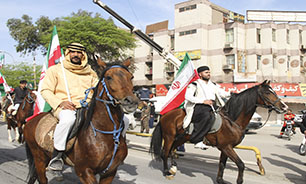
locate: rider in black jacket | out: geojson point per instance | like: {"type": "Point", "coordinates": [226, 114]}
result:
{"type": "Point", "coordinates": [20, 93]}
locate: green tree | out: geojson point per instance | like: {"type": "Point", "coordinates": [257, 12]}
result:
{"type": "Point", "coordinates": [99, 36]}
{"type": "Point", "coordinates": [22, 71]}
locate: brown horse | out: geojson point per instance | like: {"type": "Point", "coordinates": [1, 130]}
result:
{"type": "Point", "coordinates": [99, 147]}
{"type": "Point", "coordinates": [236, 115]}
{"type": "Point", "coordinates": [24, 111]}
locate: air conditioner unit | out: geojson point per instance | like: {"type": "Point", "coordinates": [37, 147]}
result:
{"type": "Point", "coordinates": [228, 45]}
{"type": "Point", "coordinates": [227, 68]}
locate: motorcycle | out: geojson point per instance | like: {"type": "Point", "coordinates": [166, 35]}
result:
{"type": "Point", "coordinates": [302, 148]}
{"type": "Point", "coordinates": [288, 129]}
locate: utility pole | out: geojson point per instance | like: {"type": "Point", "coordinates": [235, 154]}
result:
{"type": "Point", "coordinates": [34, 70]}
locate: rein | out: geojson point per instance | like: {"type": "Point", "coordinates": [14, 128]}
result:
{"type": "Point", "coordinates": [112, 101]}
{"type": "Point", "coordinates": [265, 105]}
{"type": "Point", "coordinates": [30, 100]}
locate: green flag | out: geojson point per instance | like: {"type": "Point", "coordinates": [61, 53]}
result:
{"type": "Point", "coordinates": [2, 57]}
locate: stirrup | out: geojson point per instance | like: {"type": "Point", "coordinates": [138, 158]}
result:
{"type": "Point", "coordinates": [56, 164]}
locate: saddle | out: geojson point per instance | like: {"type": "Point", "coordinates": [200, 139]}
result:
{"type": "Point", "coordinates": [217, 122]}
{"type": "Point", "coordinates": [46, 126]}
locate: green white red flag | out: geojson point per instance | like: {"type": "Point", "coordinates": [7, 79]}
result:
{"type": "Point", "coordinates": [176, 94]}
{"type": "Point", "coordinates": [53, 56]}
{"type": "Point", "coordinates": [3, 82]}
{"type": "Point", "coordinates": [2, 58]}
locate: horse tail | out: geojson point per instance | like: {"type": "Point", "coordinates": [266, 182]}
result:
{"type": "Point", "coordinates": [32, 175]}
{"type": "Point", "coordinates": [156, 142]}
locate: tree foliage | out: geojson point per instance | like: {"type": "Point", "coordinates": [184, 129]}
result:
{"type": "Point", "coordinates": [22, 71]}
{"type": "Point", "coordinates": [99, 36]}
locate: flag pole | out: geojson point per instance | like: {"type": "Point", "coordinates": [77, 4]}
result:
{"type": "Point", "coordinates": [65, 79]}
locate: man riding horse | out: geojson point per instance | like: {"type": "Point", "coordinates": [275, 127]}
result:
{"type": "Point", "coordinates": [200, 97]}
{"type": "Point", "coordinates": [80, 77]}
{"type": "Point", "coordinates": [20, 92]}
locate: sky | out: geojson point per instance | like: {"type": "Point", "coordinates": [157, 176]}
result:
{"type": "Point", "coordinates": [138, 12]}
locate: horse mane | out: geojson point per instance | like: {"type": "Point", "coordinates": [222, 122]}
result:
{"type": "Point", "coordinates": [93, 100]}
{"type": "Point", "coordinates": [244, 101]}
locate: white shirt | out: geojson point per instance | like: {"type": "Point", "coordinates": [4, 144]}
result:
{"type": "Point", "coordinates": [204, 91]}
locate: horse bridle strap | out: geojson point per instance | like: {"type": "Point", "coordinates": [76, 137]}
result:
{"type": "Point", "coordinates": [116, 132]}
{"type": "Point", "coordinates": [265, 105]}
{"type": "Point", "coordinates": [30, 100]}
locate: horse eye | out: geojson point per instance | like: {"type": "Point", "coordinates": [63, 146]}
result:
{"type": "Point", "coordinates": [132, 77]}
{"type": "Point", "coordinates": [108, 78]}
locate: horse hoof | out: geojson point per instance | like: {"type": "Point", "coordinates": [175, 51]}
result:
{"type": "Point", "coordinates": [173, 170]}
{"type": "Point", "coordinates": [169, 177]}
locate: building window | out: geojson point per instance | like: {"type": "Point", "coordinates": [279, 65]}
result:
{"type": "Point", "coordinates": [229, 35]}
{"type": "Point", "coordinates": [230, 60]}
{"type": "Point", "coordinates": [300, 37]}
{"type": "Point", "coordinates": [172, 42]}
{"type": "Point", "coordinates": [274, 61]}
{"type": "Point", "coordinates": [258, 35]}
{"type": "Point", "coordinates": [186, 8]}
{"type": "Point", "coordinates": [193, 31]}
{"type": "Point", "coordinates": [274, 35]}
{"type": "Point", "coordinates": [258, 61]}
{"type": "Point", "coordinates": [288, 37]}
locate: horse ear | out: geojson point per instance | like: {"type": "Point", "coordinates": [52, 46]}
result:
{"type": "Point", "coordinates": [264, 82]}
{"type": "Point", "coordinates": [127, 62]}
{"type": "Point", "coordinates": [101, 63]}
{"type": "Point", "coordinates": [268, 82]}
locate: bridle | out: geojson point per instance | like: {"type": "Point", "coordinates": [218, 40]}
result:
{"type": "Point", "coordinates": [112, 101]}
{"type": "Point", "coordinates": [270, 105]}
{"type": "Point", "coordinates": [28, 99]}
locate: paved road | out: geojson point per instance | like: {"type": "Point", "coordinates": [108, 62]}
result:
{"type": "Point", "coordinates": [281, 161]}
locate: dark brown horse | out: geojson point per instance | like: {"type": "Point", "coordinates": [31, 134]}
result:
{"type": "Point", "coordinates": [24, 111]}
{"type": "Point", "coordinates": [99, 147]}
{"type": "Point", "coordinates": [236, 115]}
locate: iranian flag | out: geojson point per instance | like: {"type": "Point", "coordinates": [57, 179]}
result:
{"type": "Point", "coordinates": [2, 57]}
{"type": "Point", "coordinates": [53, 57]}
{"type": "Point", "coordinates": [3, 82]}
{"type": "Point", "coordinates": [176, 94]}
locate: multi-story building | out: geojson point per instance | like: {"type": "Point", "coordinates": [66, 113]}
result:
{"type": "Point", "coordinates": [236, 52]}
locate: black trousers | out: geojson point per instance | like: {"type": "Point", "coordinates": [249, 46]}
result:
{"type": "Point", "coordinates": [202, 119]}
